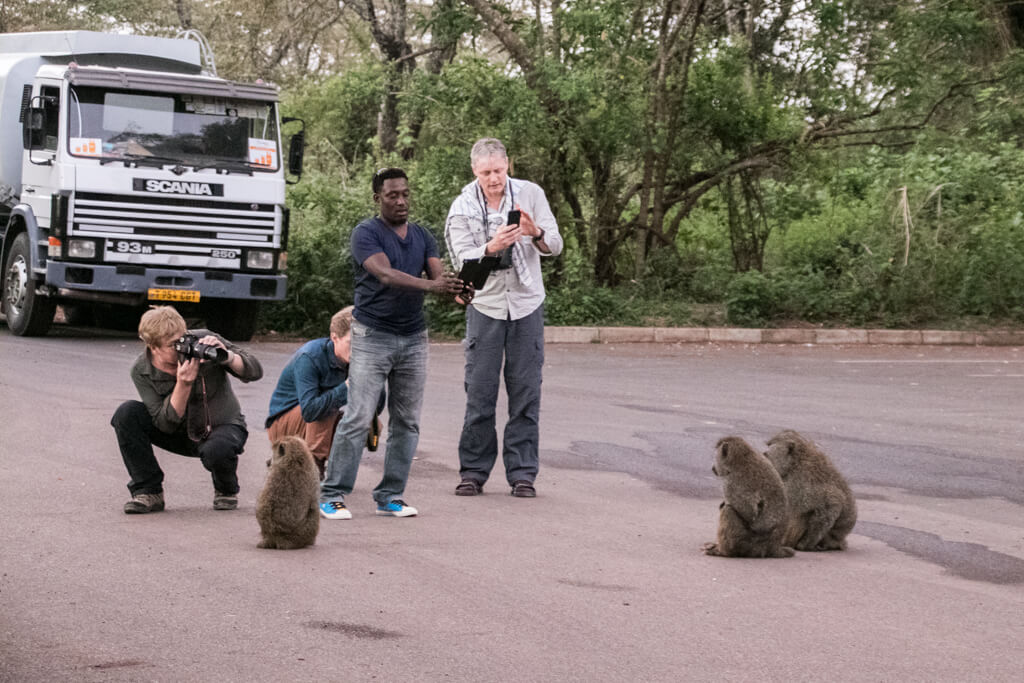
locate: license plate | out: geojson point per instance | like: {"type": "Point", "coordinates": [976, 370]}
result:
{"type": "Point", "coordinates": [174, 295]}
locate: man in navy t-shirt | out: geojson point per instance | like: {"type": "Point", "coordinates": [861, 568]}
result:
{"type": "Point", "coordinates": [389, 346]}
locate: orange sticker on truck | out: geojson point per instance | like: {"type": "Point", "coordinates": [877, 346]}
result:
{"type": "Point", "coordinates": [263, 152]}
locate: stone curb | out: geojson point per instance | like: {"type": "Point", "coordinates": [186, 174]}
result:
{"type": "Point", "coordinates": [739, 335]}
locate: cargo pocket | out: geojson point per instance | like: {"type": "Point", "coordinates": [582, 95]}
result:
{"type": "Point", "coordinates": [468, 345]}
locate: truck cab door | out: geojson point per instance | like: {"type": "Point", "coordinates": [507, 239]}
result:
{"type": "Point", "coordinates": [39, 167]}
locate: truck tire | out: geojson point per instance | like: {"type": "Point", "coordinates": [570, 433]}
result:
{"type": "Point", "coordinates": [28, 314]}
{"type": "Point", "coordinates": [234, 320]}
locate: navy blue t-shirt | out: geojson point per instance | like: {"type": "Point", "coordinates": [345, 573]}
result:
{"type": "Point", "coordinates": [391, 309]}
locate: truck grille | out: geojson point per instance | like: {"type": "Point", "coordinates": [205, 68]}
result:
{"type": "Point", "coordinates": [174, 220]}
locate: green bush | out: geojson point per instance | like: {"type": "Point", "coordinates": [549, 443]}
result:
{"type": "Point", "coordinates": [838, 221]}
{"type": "Point", "coordinates": [751, 300]}
{"type": "Point", "coordinates": [576, 300]}
{"type": "Point", "coordinates": [320, 272]}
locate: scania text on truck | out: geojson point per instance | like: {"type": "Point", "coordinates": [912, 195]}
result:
{"type": "Point", "coordinates": [132, 175]}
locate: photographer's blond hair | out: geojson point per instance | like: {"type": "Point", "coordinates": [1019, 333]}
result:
{"type": "Point", "coordinates": [341, 322]}
{"type": "Point", "coordinates": [159, 324]}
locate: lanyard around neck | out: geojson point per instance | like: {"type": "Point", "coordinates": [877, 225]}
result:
{"type": "Point", "coordinates": [483, 199]}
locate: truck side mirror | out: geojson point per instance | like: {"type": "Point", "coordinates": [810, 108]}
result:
{"type": "Point", "coordinates": [296, 149]}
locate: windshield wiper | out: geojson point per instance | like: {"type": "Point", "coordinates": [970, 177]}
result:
{"type": "Point", "coordinates": [142, 160]}
{"type": "Point", "coordinates": [229, 166]}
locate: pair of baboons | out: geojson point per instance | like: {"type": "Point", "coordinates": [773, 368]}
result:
{"type": "Point", "coordinates": [792, 496]}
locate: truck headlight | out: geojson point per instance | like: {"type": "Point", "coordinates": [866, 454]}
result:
{"type": "Point", "coordinates": [85, 249]}
{"type": "Point", "coordinates": [257, 258]}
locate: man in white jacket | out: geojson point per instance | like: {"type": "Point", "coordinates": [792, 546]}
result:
{"type": "Point", "coordinates": [505, 322]}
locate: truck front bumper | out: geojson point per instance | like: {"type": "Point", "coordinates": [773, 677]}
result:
{"type": "Point", "coordinates": [138, 280]}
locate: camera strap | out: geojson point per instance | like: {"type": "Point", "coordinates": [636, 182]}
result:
{"type": "Point", "coordinates": [509, 195]}
{"type": "Point", "coordinates": [207, 427]}
{"type": "Point", "coordinates": [512, 257]}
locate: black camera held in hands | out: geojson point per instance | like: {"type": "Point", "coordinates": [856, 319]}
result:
{"type": "Point", "coordinates": [188, 346]}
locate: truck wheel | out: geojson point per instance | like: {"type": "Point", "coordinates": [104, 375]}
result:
{"type": "Point", "coordinates": [233, 320]}
{"type": "Point", "coordinates": [28, 314]}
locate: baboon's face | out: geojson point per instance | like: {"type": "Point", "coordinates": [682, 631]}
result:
{"type": "Point", "coordinates": [719, 468]}
{"type": "Point", "coordinates": [277, 453]}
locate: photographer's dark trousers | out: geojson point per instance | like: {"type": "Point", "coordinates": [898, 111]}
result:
{"type": "Point", "coordinates": [136, 436]}
{"type": "Point", "coordinates": [520, 344]}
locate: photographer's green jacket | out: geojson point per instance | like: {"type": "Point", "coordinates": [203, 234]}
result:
{"type": "Point", "coordinates": [155, 387]}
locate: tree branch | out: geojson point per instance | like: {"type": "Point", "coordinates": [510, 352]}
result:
{"type": "Point", "coordinates": [508, 38]}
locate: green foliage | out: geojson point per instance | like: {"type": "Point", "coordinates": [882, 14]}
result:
{"type": "Point", "coordinates": [320, 272]}
{"type": "Point", "coordinates": [576, 301]}
{"type": "Point", "coordinates": [730, 105]}
{"type": "Point", "coordinates": [847, 258]}
{"type": "Point", "coordinates": [837, 218]}
{"type": "Point", "coordinates": [751, 299]}
{"type": "Point", "coordinates": [472, 99]}
{"type": "Point", "coordinates": [340, 114]}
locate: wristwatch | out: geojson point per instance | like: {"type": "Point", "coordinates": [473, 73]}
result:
{"type": "Point", "coordinates": [538, 238]}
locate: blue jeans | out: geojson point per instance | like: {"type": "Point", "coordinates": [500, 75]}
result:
{"type": "Point", "coordinates": [520, 344]}
{"type": "Point", "coordinates": [378, 358]}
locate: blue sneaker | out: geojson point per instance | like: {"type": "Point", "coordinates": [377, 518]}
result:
{"type": "Point", "coordinates": [334, 510]}
{"type": "Point", "coordinates": [396, 508]}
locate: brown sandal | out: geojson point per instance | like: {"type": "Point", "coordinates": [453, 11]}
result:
{"type": "Point", "coordinates": [468, 487]}
{"type": "Point", "coordinates": [524, 489]}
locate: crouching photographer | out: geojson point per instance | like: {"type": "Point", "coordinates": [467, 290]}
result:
{"type": "Point", "coordinates": [187, 408]}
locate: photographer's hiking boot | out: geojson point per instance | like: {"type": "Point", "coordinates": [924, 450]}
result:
{"type": "Point", "coordinates": [224, 501]}
{"type": "Point", "coordinates": [141, 503]}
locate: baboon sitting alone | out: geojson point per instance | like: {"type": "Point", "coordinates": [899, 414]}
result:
{"type": "Point", "coordinates": [822, 509]}
{"type": "Point", "coordinates": [288, 506]}
{"type": "Point", "coordinates": [752, 518]}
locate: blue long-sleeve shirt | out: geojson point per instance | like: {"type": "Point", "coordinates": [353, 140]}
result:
{"type": "Point", "coordinates": [314, 379]}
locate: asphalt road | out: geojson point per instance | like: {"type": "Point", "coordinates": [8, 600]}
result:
{"type": "Point", "coordinates": [600, 578]}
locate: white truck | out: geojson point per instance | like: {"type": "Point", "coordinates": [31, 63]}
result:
{"type": "Point", "coordinates": [131, 175]}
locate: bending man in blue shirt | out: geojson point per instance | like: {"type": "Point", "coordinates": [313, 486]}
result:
{"type": "Point", "coordinates": [311, 391]}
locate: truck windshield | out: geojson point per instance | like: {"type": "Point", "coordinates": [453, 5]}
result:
{"type": "Point", "coordinates": [192, 130]}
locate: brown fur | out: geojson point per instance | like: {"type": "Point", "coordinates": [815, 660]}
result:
{"type": "Point", "coordinates": [822, 508]}
{"type": "Point", "coordinates": [288, 507]}
{"type": "Point", "coordinates": [752, 519]}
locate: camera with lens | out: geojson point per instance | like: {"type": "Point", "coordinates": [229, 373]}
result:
{"type": "Point", "coordinates": [188, 346]}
